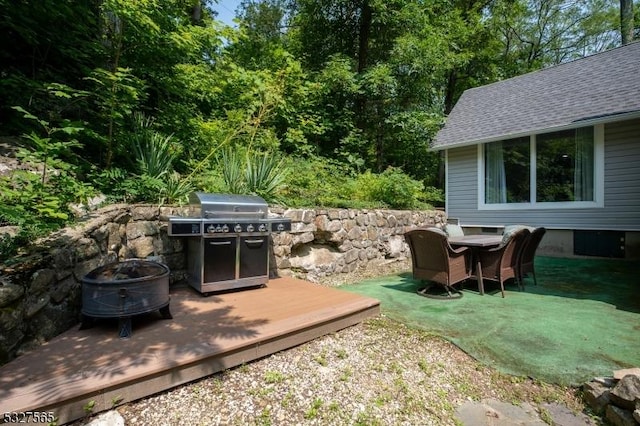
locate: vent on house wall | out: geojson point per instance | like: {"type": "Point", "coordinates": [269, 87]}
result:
{"type": "Point", "coordinates": [599, 243]}
{"type": "Point", "coordinates": [491, 230]}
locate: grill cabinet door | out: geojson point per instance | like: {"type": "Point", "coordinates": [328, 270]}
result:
{"type": "Point", "coordinates": [254, 256]}
{"type": "Point", "coordinates": [220, 259]}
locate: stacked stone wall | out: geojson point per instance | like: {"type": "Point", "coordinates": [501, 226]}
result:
{"type": "Point", "coordinates": [41, 292]}
{"type": "Point", "coordinates": [331, 241]}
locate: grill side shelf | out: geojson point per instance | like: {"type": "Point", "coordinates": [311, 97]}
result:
{"type": "Point", "coordinates": [184, 227]}
{"type": "Point", "coordinates": [280, 225]}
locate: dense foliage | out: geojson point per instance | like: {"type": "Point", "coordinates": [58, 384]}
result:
{"type": "Point", "coordinates": [307, 102]}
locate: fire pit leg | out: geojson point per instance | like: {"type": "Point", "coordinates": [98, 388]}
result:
{"type": "Point", "coordinates": [86, 322]}
{"type": "Point", "coordinates": [165, 313]}
{"type": "Point", "coordinates": [124, 324]}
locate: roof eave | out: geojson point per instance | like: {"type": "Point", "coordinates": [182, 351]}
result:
{"type": "Point", "coordinates": [581, 122]}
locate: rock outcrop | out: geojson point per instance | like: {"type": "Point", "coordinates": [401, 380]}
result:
{"type": "Point", "coordinates": [617, 398]}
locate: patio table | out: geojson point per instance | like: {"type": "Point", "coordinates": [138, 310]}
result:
{"type": "Point", "coordinates": [475, 243]}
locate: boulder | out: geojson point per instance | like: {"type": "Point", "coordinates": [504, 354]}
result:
{"type": "Point", "coordinates": [10, 293]}
{"type": "Point", "coordinates": [109, 418]}
{"type": "Point", "coordinates": [626, 392]}
{"type": "Point", "coordinates": [619, 374]}
{"type": "Point", "coordinates": [310, 257]}
{"type": "Point", "coordinates": [596, 394]}
{"type": "Point", "coordinates": [620, 417]}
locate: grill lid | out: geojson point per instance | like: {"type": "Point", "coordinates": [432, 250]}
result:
{"type": "Point", "coordinates": [228, 205]}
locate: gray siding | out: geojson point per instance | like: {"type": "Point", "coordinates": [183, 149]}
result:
{"type": "Point", "coordinates": [621, 209]}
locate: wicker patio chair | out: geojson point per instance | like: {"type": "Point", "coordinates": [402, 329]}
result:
{"type": "Point", "coordinates": [501, 263]}
{"type": "Point", "coordinates": [526, 262]}
{"type": "Point", "coordinates": [434, 260]}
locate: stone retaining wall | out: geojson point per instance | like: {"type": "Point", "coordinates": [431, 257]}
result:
{"type": "Point", "coordinates": [40, 293]}
{"type": "Point", "coordinates": [329, 241]}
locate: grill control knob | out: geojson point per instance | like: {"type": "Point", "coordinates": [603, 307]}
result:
{"type": "Point", "coordinates": [218, 228]}
{"type": "Point", "coordinates": [262, 227]}
{"type": "Point", "coordinates": [237, 228]}
{"type": "Point", "coordinates": [211, 229]}
{"type": "Point", "coordinates": [250, 228]}
{"type": "Point", "coordinates": [280, 227]}
{"type": "Point", "coordinates": [225, 228]}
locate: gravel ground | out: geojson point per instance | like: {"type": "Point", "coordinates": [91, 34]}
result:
{"type": "Point", "coordinates": [379, 372]}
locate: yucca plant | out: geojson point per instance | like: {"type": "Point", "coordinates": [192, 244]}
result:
{"type": "Point", "coordinates": [265, 175]}
{"type": "Point", "coordinates": [155, 155]}
{"type": "Point", "coordinates": [232, 165]}
{"type": "Point", "coordinates": [154, 152]}
{"type": "Point", "coordinates": [176, 190]}
{"type": "Point", "coordinates": [254, 173]}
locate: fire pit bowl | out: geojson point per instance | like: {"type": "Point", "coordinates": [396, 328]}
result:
{"type": "Point", "coordinates": [123, 289]}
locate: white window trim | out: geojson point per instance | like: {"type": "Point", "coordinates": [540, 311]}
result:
{"type": "Point", "coordinates": [598, 178]}
{"type": "Point", "coordinates": [446, 182]}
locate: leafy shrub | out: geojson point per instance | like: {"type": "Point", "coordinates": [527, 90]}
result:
{"type": "Point", "coordinates": [317, 181]}
{"type": "Point", "coordinates": [392, 188]}
{"type": "Point", "coordinates": [36, 208]}
{"type": "Point", "coordinates": [432, 196]}
{"type": "Point", "coordinates": [10, 244]}
{"type": "Point", "coordinates": [152, 178]}
{"type": "Point", "coordinates": [321, 182]}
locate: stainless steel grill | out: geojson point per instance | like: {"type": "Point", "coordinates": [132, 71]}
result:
{"type": "Point", "coordinates": [228, 244]}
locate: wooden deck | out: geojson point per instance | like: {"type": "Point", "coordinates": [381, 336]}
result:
{"type": "Point", "coordinates": [205, 336]}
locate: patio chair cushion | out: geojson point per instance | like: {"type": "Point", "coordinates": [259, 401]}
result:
{"type": "Point", "coordinates": [453, 230]}
{"type": "Point", "coordinates": [509, 231]}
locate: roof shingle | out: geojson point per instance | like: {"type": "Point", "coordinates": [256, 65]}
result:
{"type": "Point", "coordinates": [604, 84]}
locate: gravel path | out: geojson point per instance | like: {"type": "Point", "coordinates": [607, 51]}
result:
{"type": "Point", "coordinates": [379, 372]}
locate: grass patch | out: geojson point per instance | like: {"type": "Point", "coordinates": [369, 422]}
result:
{"type": "Point", "coordinates": [314, 410]}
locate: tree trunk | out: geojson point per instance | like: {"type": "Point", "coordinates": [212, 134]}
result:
{"type": "Point", "coordinates": [380, 152]}
{"type": "Point", "coordinates": [196, 12]}
{"type": "Point", "coordinates": [363, 51]}
{"type": "Point", "coordinates": [363, 37]}
{"type": "Point", "coordinates": [450, 92]}
{"type": "Point", "coordinates": [626, 21]}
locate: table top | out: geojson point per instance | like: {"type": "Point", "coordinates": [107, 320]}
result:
{"type": "Point", "coordinates": [476, 240]}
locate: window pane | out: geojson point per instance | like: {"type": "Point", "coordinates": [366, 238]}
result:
{"type": "Point", "coordinates": [564, 166]}
{"type": "Point", "coordinates": [507, 165]}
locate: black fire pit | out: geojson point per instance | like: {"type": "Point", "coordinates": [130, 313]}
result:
{"type": "Point", "coordinates": [123, 289]}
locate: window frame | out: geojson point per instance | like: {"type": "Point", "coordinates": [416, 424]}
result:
{"type": "Point", "coordinates": [598, 178]}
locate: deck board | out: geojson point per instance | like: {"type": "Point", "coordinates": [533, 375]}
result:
{"type": "Point", "coordinates": [205, 336]}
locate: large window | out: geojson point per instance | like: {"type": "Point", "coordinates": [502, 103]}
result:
{"type": "Point", "coordinates": [564, 166]}
{"type": "Point", "coordinates": [507, 166]}
{"type": "Point", "coordinates": [547, 168]}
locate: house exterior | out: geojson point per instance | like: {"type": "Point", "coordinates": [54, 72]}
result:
{"type": "Point", "coordinates": [558, 148]}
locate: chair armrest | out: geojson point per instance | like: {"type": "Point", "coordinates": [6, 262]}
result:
{"type": "Point", "coordinates": [499, 248]}
{"type": "Point", "coordinates": [458, 250]}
